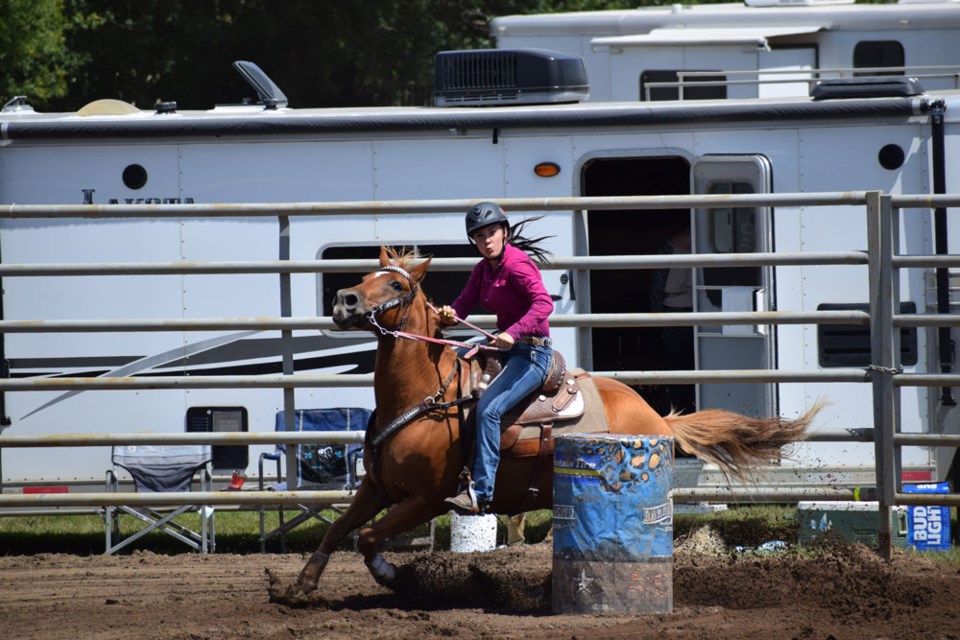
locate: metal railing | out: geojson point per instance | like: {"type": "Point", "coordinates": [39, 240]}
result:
{"type": "Point", "coordinates": [767, 77]}
{"type": "Point", "coordinates": [883, 374]}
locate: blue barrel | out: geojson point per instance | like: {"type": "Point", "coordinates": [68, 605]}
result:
{"type": "Point", "coordinates": [612, 524]}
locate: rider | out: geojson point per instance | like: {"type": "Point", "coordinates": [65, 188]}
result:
{"type": "Point", "coordinates": [508, 283]}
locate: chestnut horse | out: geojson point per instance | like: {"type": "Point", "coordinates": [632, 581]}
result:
{"type": "Point", "coordinates": [416, 467]}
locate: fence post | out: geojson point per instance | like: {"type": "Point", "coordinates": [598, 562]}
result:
{"type": "Point", "coordinates": [883, 296]}
{"type": "Point", "coordinates": [286, 352]}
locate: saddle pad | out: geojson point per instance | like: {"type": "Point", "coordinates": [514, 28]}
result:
{"type": "Point", "coordinates": [525, 441]}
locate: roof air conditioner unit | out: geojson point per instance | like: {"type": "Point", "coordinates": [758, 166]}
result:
{"type": "Point", "coordinates": [496, 77]}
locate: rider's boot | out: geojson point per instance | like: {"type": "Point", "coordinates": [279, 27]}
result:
{"type": "Point", "coordinates": [465, 503]}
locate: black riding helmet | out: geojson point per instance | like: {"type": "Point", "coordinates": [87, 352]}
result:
{"type": "Point", "coordinates": [484, 215]}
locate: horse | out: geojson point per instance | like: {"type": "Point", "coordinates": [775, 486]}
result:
{"type": "Point", "coordinates": [412, 469]}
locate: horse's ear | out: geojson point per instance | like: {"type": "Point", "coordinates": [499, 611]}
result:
{"type": "Point", "coordinates": [420, 270]}
{"type": "Point", "coordinates": [384, 257]}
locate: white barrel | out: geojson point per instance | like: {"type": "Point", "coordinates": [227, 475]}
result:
{"type": "Point", "coordinates": [473, 533]}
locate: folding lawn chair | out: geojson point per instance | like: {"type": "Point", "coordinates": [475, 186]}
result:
{"type": "Point", "coordinates": [161, 469]}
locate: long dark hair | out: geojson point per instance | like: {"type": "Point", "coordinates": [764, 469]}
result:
{"type": "Point", "coordinates": [531, 246]}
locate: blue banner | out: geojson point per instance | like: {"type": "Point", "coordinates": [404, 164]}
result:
{"type": "Point", "coordinates": [928, 528]}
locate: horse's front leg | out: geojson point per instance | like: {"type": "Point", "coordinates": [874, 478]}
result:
{"type": "Point", "coordinates": [407, 514]}
{"type": "Point", "coordinates": [367, 503]}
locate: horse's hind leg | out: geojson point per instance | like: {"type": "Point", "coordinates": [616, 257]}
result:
{"type": "Point", "coordinates": [368, 502]}
{"type": "Point", "coordinates": [404, 516]}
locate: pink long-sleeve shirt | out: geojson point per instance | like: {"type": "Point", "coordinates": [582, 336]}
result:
{"type": "Point", "coordinates": [513, 291]}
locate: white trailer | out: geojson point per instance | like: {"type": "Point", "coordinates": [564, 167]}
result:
{"type": "Point", "coordinates": [762, 48]}
{"type": "Point", "coordinates": [267, 152]}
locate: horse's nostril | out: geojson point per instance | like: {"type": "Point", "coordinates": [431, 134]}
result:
{"type": "Point", "coordinates": [348, 299]}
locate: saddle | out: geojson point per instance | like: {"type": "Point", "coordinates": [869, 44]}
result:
{"type": "Point", "coordinates": [566, 402]}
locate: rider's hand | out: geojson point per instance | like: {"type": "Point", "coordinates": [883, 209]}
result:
{"type": "Point", "coordinates": [447, 316]}
{"type": "Point", "coordinates": [504, 341]}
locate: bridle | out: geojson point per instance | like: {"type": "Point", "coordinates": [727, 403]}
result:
{"type": "Point", "coordinates": [403, 301]}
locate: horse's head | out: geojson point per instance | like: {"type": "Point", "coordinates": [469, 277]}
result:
{"type": "Point", "coordinates": [384, 294]}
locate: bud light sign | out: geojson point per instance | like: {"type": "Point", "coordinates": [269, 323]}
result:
{"type": "Point", "coordinates": [928, 527]}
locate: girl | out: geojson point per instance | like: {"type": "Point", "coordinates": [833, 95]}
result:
{"type": "Point", "coordinates": [507, 282]}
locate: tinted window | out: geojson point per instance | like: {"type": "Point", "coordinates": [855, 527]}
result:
{"type": "Point", "coordinates": [848, 345]}
{"type": "Point", "coordinates": [878, 53]}
{"type": "Point", "coordinates": [712, 92]}
{"type": "Point", "coordinates": [440, 286]}
{"type": "Point", "coordinates": [732, 230]}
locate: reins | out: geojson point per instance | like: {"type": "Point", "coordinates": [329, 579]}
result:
{"type": "Point", "coordinates": [428, 404]}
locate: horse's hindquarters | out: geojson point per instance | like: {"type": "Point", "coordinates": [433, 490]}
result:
{"type": "Point", "coordinates": [627, 411]}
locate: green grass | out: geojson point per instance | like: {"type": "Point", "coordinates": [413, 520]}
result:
{"type": "Point", "coordinates": [238, 531]}
{"type": "Point", "coordinates": [748, 526]}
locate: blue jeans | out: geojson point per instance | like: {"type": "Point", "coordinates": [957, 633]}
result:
{"type": "Point", "coordinates": [525, 369]}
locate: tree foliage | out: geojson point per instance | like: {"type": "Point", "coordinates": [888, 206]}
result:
{"type": "Point", "coordinates": [33, 56]}
{"type": "Point", "coordinates": [65, 53]}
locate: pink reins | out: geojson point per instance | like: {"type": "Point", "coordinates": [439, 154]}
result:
{"type": "Point", "coordinates": [406, 335]}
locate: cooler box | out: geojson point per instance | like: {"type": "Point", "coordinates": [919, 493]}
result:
{"type": "Point", "coordinates": [928, 527]}
{"type": "Point", "coordinates": [853, 521]}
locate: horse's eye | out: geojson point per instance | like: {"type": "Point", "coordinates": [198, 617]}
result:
{"type": "Point", "coordinates": [396, 286]}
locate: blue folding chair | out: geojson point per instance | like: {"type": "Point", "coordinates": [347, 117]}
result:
{"type": "Point", "coordinates": [319, 466]}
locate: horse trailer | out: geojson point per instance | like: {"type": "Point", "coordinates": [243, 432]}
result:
{"type": "Point", "coordinates": [757, 49]}
{"type": "Point", "coordinates": [895, 137]}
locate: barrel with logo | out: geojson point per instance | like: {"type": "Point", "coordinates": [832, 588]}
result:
{"type": "Point", "coordinates": [612, 524]}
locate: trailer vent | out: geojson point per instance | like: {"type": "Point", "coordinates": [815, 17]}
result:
{"type": "Point", "coordinates": [491, 77]}
{"type": "Point", "coordinates": [268, 93]}
{"type": "Point", "coordinates": [875, 87]}
{"type": "Point", "coordinates": [222, 420]}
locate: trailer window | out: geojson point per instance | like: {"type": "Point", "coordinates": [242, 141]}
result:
{"type": "Point", "coordinates": [878, 53]}
{"type": "Point", "coordinates": [732, 230]}
{"type": "Point", "coordinates": [440, 286]}
{"type": "Point", "coordinates": [848, 345]}
{"type": "Point", "coordinates": [712, 92]}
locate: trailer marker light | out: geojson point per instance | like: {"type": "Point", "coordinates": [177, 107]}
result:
{"type": "Point", "coordinates": [547, 169]}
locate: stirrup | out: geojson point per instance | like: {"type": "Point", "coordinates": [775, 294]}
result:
{"type": "Point", "coordinates": [465, 503]}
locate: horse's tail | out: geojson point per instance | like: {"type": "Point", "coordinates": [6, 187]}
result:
{"type": "Point", "coordinates": [737, 443]}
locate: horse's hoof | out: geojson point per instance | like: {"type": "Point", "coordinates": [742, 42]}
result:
{"type": "Point", "coordinates": [311, 572]}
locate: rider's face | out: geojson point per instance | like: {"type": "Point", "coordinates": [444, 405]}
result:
{"type": "Point", "coordinates": [490, 240]}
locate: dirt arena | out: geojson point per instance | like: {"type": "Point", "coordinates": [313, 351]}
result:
{"type": "Point", "coordinates": [845, 594]}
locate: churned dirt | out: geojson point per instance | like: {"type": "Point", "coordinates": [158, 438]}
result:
{"type": "Point", "coordinates": [846, 593]}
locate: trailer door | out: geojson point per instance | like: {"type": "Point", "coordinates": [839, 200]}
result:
{"type": "Point", "coordinates": [736, 289]}
{"type": "Point", "coordinates": [624, 233]}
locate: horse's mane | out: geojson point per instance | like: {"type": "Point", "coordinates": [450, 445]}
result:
{"type": "Point", "coordinates": [403, 257]}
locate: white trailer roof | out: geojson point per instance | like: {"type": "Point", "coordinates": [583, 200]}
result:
{"type": "Point", "coordinates": [857, 17]}
{"type": "Point", "coordinates": [337, 121]}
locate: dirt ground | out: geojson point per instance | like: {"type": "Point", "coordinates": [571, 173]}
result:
{"type": "Point", "coordinates": [846, 594]}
